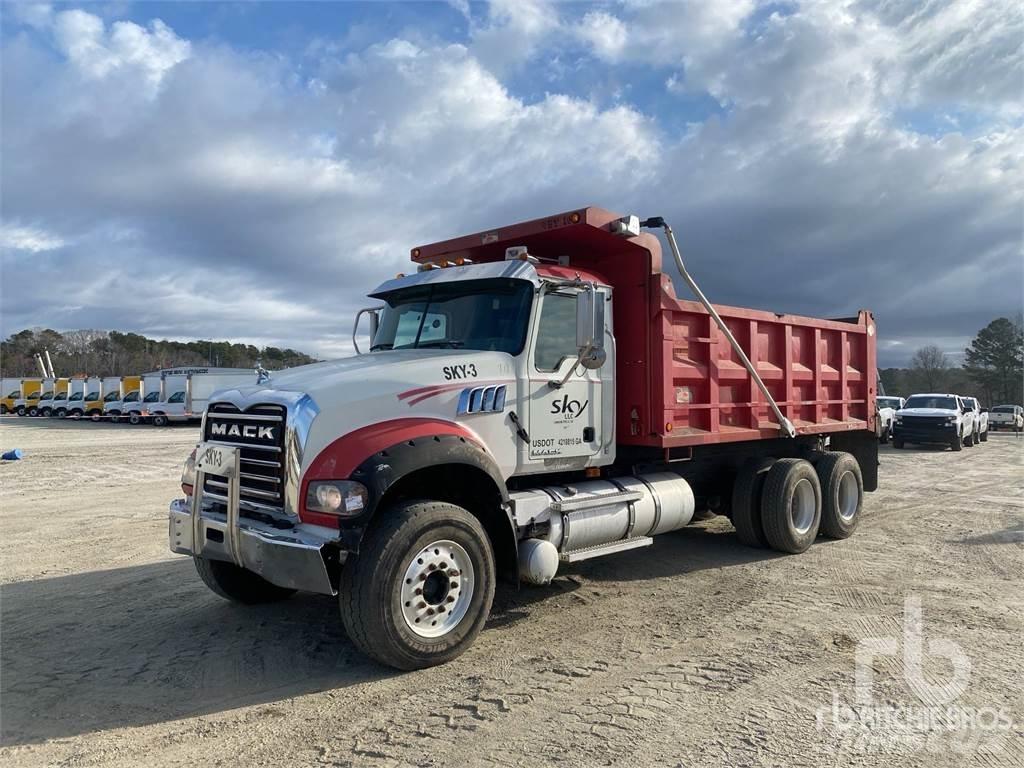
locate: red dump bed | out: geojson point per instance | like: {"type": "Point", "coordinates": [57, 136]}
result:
{"type": "Point", "coordinates": [679, 382]}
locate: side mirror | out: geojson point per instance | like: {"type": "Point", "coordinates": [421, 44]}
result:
{"type": "Point", "coordinates": [374, 314]}
{"type": "Point", "coordinates": [590, 328]}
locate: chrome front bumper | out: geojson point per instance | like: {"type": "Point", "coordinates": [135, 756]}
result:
{"type": "Point", "coordinates": [286, 558]}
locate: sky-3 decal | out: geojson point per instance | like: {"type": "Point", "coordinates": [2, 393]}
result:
{"type": "Point", "coordinates": [467, 371]}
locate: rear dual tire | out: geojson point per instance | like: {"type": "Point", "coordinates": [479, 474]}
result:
{"type": "Point", "coordinates": [791, 505]}
{"type": "Point", "coordinates": [746, 501]}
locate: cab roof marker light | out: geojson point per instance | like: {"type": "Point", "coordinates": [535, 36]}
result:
{"type": "Point", "coordinates": [627, 226]}
{"type": "Point", "coordinates": [519, 253]}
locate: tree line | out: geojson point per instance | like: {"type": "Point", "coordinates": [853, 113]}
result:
{"type": "Point", "coordinates": [112, 353]}
{"type": "Point", "coordinates": [993, 367]}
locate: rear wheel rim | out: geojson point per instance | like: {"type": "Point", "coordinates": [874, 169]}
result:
{"type": "Point", "coordinates": [803, 506]}
{"type": "Point", "coordinates": [437, 588]}
{"type": "Point", "coordinates": [849, 496]}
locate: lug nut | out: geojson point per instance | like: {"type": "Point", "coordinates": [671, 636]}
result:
{"type": "Point", "coordinates": [440, 609]}
{"type": "Point", "coordinates": [455, 585]}
{"type": "Point", "coordinates": [421, 606]}
{"type": "Point", "coordinates": [431, 567]}
{"type": "Point", "coordinates": [418, 591]}
{"type": "Point", "coordinates": [423, 577]}
{"type": "Point", "coordinates": [453, 573]}
{"type": "Point", "coordinates": [430, 611]}
{"type": "Point", "coordinates": [450, 599]}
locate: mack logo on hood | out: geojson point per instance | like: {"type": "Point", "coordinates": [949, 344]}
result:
{"type": "Point", "coordinates": [251, 431]}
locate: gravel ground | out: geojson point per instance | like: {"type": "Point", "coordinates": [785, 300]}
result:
{"type": "Point", "coordinates": [693, 652]}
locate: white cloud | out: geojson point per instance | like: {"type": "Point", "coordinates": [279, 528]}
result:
{"type": "Point", "coordinates": [29, 239]}
{"type": "Point", "coordinates": [97, 53]}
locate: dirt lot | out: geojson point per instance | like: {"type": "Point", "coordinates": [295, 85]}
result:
{"type": "Point", "coordinates": [693, 652]}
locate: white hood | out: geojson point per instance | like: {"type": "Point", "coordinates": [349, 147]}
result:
{"type": "Point", "coordinates": [927, 412]}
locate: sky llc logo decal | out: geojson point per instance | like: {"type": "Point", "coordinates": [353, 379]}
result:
{"type": "Point", "coordinates": [936, 673]}
{"type": "Point", "coordinates": [567, 409]}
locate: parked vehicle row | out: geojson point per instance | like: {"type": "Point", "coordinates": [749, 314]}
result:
{"type": "Point", "coordinates": [158, 397]}
{"type": "Point", "coordinates": [940, 419]}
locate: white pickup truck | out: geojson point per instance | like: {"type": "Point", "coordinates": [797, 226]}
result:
{"type": "Point", "coordinates": [934, 418]}
{"type": "Point", "coordinates": [980, 419]}
{"type": "Point", "coordinates": [887, 407]}
{"type": "Point", "coordinates": [1009, 417]}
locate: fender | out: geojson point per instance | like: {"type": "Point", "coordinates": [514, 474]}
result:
{"type": "Point", "coordinates": [382, 454]}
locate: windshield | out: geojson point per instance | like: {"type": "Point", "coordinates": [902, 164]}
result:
{"type": "Point", "coordinates": [888, 402]}
{"type": "Point", "coordinates": [76, 396]}
{"type": "Point", "coordinates": [928, 401]}
{"type": "Point", "coordinates": [177, 397]}
{"type": "Point", "coordinates": [152, 397]}
{"type": "Point", "coordinates": [46, 396]}
{"type": "Point", "coordinates": [1003, 409]}
{"type": "Point", "coordinates": [93, 396]}
{"type": "Point", "coordinates": [476, 314]}
{"type": "Point", "coordinates": [61, 396]}
{"type": "Point", "coordinates": [132, 397]}
{"type": "Point", "coordinates": [970, 402]}
{"type": "Point", "coordinates": [15, 393]}
{"type": "Point", "coordinates": [111, 397]}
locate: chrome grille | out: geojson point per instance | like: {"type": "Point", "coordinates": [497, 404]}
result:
{"type": "Point", "coordinates": [258, 433]}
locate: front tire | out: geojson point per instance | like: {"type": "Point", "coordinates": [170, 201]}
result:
{"type": "Point", "coordinates": [60, 413]}
{"type": "Point", "coordinates": [20, 410]}
{"type": "Point", "coordinates": [420, 589]}
{"type": "Point", "coordinates": [159, 420]}
{"type": "Point", "coordinates": [95, 415]}
{"type": "Point", "coordinates": [983, 437]}
{"type": "Point", "coordinates": [237, 584]}
{"type": "Point", "coordinates": [957, 443]}
{"type": "Point", "coordinates": [134, 418]}
{"type": "Point", "coordinates": [842, 494]}
{"type": "Point", "coordinates": [791, 506]}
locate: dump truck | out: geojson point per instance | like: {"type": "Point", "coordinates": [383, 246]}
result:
{"type": "Point", "coordinates": [532, 396]}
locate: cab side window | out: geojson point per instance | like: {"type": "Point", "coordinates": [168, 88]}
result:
{"type": "Point", "coordinates": [556, 332]}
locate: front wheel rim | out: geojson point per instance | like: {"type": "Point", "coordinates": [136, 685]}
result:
{"type": "Point", "coordinates": [437, 588]}
{"type": "Point", "coordinates": [801, 510]}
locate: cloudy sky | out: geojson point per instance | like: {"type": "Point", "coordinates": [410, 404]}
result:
{"type": "Point", "coordinates": [249, 171]}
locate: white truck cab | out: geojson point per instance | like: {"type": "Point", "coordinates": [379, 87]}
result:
{"type": "Point", "coordinates": [72, 400]}
{"type": "Point", "coordinates": [934, 418]}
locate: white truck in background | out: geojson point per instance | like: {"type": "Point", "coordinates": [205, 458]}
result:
{"type": "Point", "coordinates": [127, 393]}
{"type": "Point", "coordinates": [74, 397]}
{"type": "Point", "coordinates": [980, 418]}
{"type": "Point", "coordinates": [887, 407]}
{"type": "Point", "coordinates": [187, 391]}
{"type": "Point", "coordinates": [1009, 417]}
{"type": "Point", "coordinates": [151, 391]}
{"type": "Point", "coordinates": [91, 401]}
{"type": "Point", "coordinates": [10, 392]}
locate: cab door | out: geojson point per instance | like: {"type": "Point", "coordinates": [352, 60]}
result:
{"type": "Point", "coordinates": [564, 420]}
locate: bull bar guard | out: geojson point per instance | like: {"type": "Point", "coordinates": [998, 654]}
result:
{"type": "Point", "coordinates": [288, 558]}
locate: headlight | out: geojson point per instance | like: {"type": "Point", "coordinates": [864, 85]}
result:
{"type": "Point", "coordinates": [344, 498]}
{"type": "Point", "coordinates": [951, 419]}
{"type": "Point", "coordinates": [899, 419]}
{"type": "Point", "coordinates": [188, 474]}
